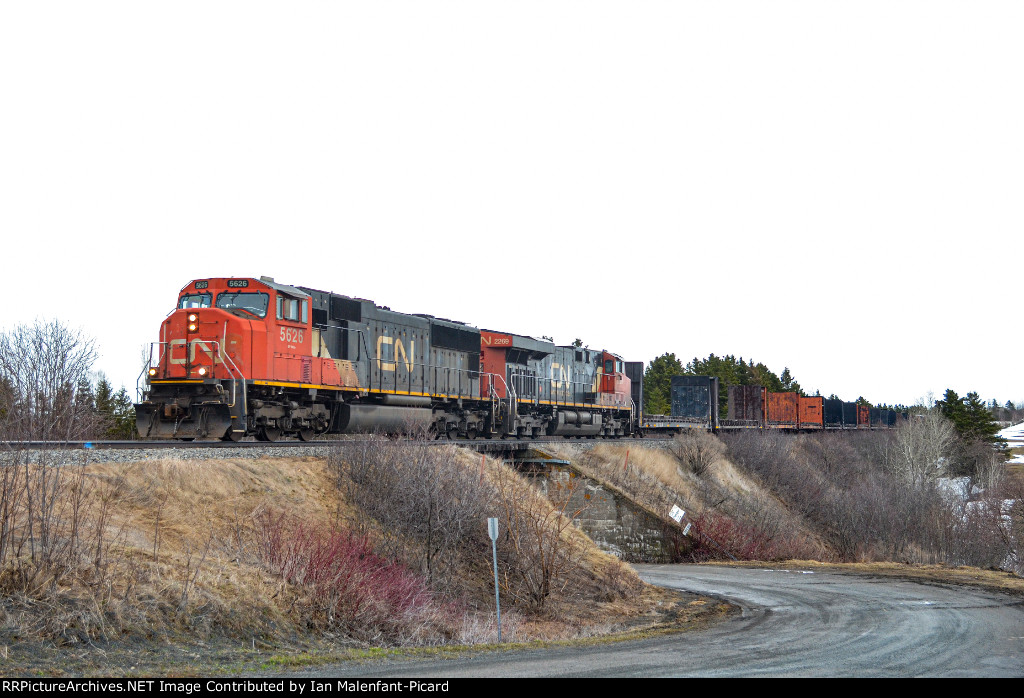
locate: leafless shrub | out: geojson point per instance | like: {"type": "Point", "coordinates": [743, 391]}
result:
{"type": "Point", "coordinates": [877, 497]}
{"type": "Point", "coordinates": [340, 583]}
{"type": "Point", "coordinates": [429, 506]}
{"type": "Point", "coordinates": [43, 514]}
{"type": "Point", "coordinates": [541, 548]}
{"type": "Point", "coordinates": [425, 504]}
{"type": "Point", "coordinates": [697, 450]}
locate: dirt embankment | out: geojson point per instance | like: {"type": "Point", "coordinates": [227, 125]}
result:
{"type": "Point", "coordinates": [165, 570]}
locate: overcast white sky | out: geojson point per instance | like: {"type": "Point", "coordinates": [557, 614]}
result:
{"type": "Point", "coordinates": [835, 187]}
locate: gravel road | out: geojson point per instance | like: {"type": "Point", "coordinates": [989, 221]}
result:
{"type": "Point", "coordinates": [794, 623]}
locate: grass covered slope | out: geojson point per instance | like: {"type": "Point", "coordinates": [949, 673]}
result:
{"type": "Point", "coordinates": [850, 497]}
{"type": "Point", "coordinates": [249, 554]}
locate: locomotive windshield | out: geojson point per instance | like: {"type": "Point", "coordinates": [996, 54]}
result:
{"type": "Point", "coordinates": [195, 300]}
{"type": "Point", "coordinates": [252, 303]}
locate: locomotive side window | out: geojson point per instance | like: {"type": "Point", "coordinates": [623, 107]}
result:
{"type": "Point", "coordinates": [609, 366]}
{"type": "Point", "coordinates": [195, 300]}
{"type": "Point", "coordinates": [291, 309]}
{"type": "Point", "coordinates": [252, 303]}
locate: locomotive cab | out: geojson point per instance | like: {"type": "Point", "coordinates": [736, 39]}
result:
{"type": "Point", "coordinates": [615, 386]}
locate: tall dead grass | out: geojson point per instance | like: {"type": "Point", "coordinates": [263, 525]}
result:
{"type": "Point", "coordinates": [847, 487]}
{"type": "Point", "coordinates": [719, 500]}
{"type": "Point", "coordinates": [430, 506]}
{"type": "Point", "coordinates": [260, 549]}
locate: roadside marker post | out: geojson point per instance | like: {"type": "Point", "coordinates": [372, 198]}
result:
{"type": "Point", "coordinates": [492, 531]}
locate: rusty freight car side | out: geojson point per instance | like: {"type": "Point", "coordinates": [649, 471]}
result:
{"type": "Point", "coordinates": [783, 410]}
{"type": "Point", "coordinates": [812, 413]}
{"type": "Point", "coordinates": [746, 406]}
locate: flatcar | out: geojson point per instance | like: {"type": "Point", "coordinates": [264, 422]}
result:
{"type": "Point", "coordinates": [244, 357]}
{"type": "Point", "coordinates": [695, 404]}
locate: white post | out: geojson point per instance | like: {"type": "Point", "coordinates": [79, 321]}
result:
{"type": "Point", "coordinates": [492, 531]}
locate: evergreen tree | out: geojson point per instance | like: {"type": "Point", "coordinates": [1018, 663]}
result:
{"type": "Point", "coordinates": [123, 426]}
{"type": "Point", "coordinates": [952, 408]}
{"type": "Point", "coordinates": [104, 398]}
{"type": "Point", "coordinates": [979, 424]}
{"type": "Point", "coordinates": [658, 383]}
{"type": "Point", "coordinates": [84, 399]}
{"type": "Point", "coordinates": [788, 383]}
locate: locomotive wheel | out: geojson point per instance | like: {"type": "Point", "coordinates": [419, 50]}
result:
{"type": "Point", "coordinates": [471, 434]}
{"type": "Point", "coordinates": [306, 434]}
{"type": "Point", "coordinates": [233, 435]}
{"type": "Point", "coordinates": [268, 434]}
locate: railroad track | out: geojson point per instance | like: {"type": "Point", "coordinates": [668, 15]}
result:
{"type": "Point", "coordinates": [476, 444]}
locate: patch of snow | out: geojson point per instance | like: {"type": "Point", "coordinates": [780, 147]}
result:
{"type": "Point", "coordinates": [1014, 433]}
{"type": "Point", "coordinates": [954, 487]}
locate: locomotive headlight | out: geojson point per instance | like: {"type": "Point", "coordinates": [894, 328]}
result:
{"type": "Point", "coordinates": [192, 327]}
{"type": "Point", "coordinates": [202, 371]}
{"type": "Point", "coordinates": [192, 317]}
{"type": "Point", "coordinates": [152, 371]}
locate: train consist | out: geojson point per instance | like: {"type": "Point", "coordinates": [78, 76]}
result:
{"type": "Point", "coordinates": [244, 357]}
{"type": "Point", "coordinates": [251, 357]}
{"type": "Point", "coordinates": [695, 403]}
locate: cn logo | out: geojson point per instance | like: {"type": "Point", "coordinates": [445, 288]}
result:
{"type": "Point", "coordinates": [194, 348]}
{"type": "Point", "coordinates": [399, 353]}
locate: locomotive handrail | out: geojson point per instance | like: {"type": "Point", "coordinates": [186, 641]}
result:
{"type": "Point", "coordinates": [513, 399]}
{"type": "Point", "coordinates": [225, 360]}
{"type": "Point", "coordinates": [149, 365]}
{"type": "Point", "coordinates": [578, 389]}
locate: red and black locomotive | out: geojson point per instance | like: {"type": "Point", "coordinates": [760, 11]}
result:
{"type": "Point", "coordinates": [243, 356]}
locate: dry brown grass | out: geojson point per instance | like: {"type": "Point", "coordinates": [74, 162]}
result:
{"type": "Point", "coordinates": [182, 561]}
{"type": "Point", "coordinates": [940, 574]}
{"type": "Point", "coordinates": [657, 478]}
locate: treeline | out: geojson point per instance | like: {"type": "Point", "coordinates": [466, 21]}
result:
{"type": "Point", "coordinates": [48, 391]}
{"type": "Point", "coordinates": [970, 415]}
{"type": "Point", "coordinates": [728, 369]}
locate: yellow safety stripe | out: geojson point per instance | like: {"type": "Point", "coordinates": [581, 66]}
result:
{"type": "Point", "coordinates": [282, 384]}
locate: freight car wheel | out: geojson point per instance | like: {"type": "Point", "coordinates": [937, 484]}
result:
{"type": "Point", "coordinates": [233, 435]}
{"type": "Point", "coordinates": [306, 434]}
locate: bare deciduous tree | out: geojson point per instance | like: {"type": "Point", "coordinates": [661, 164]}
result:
{"type": "Point", "coordinates": [41, 367]}
{"type": "Point", "coordinates": [920, 447]}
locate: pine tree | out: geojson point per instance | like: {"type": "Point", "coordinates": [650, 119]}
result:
{"type": "Point", "coordinates": [104, 397]}
{"type": "Point", "coordinates": [123, 426]}
{"type": "Point", "coordinates": [788, 383]}
{"type": "Point", "coordinates": [84, 399]}
{"type": "Point", "coordinates": [658, 383]}
{"type": "Point", "coordinates": [978, 420]}
{"type": "Point", "coordinates": [952, 408]}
